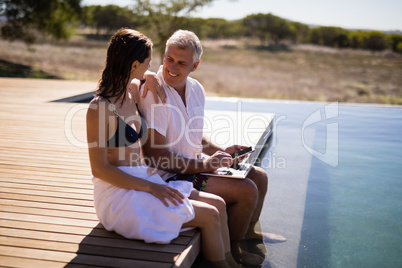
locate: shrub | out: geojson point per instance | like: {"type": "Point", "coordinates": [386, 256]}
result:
{"type": "Point", "coordinates": [399, 47]}
{"type": "Point", "coordinates": [330, 36]}
{"type": "Point", "coordinates": [395, 41]}
{"type": "Point", "coordinates": [374, 41]}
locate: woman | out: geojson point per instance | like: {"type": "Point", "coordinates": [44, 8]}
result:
{"type": "Point", "coordinates": [125, 196]}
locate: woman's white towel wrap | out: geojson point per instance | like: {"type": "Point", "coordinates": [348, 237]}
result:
{"type": "Point", "coordinates": [140, 215]}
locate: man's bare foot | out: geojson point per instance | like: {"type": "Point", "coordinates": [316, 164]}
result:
{"type": "Point", "coordinates": [267, 237]}
{"type": "Point", "coordinates": [246, 258]}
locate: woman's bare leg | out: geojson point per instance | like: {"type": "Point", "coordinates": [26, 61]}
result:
{"type": "Point", "coordinates": [207, 219]}
{"type": "Point", "coordinates": [220, 205]}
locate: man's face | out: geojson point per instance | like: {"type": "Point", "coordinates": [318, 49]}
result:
{"type": "Point", "coordinates": [177, 65]}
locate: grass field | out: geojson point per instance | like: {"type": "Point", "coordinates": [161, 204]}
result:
{"type": "Point", "coordinates": [235, 68]}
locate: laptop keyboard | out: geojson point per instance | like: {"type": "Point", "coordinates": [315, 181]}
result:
{"type": "Point", "coordinates": [241, 167]}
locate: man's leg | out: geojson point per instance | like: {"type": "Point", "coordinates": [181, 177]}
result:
{"type": "Point", "coordinates": [260, 178]}
{"type": "Point", "coordinates": [241, 197]}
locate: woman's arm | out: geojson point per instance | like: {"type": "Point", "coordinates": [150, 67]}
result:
{"type": "Point", "coordinates": [153, 84]}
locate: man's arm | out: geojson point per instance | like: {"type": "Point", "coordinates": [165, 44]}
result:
{"type": "Point", "coordinates": [209, 147]}
{"type": "Point", "coordinates": [157, 155]}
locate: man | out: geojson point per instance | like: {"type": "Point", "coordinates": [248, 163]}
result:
{"type": "Point", "coordinates": [175, 143]}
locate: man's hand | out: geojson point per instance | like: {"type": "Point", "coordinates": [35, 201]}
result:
{"type": "Point", "coordinates": [153, 84]}
{"type": "Point", "coordinates": [217, 160]}
{"type": "Point", "coordinates": [235, 148]}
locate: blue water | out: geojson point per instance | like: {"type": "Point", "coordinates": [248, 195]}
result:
{"type": "Point", "coordinates": [353, 205]}
{"type": "Point", "coordinates": [363, 207]}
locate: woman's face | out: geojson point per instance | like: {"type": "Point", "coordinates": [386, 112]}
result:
{"type": "Point", "coordinates": [143, 67]}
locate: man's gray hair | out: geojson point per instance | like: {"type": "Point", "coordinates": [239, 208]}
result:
{"type": "Point", "coordinates": [184, 39]}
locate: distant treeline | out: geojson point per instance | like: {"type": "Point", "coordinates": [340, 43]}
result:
{"type": "Point", "coordinates": [268, 28]}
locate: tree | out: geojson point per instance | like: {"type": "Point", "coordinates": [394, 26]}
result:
{"type": "Point", "coordinates": [258, 25]}
{"type": "Point", "coordinates": [166, 17]}
{"type": "Point", "coordinates": [216, 28]}
{"type": "Point", "coordinates": [399, 47]}
{"type": "Point", "coordinates": [269, 27]}
{"type": "Point", "coordinates": [24, 18]}
{"type": "Point", "coordinates": [301, 32]}
{"type": "Point", "coordinates": [108, 19]}
{"type": "Point", "coordinates": [330, 36]}
{"type": "Point", "coordinates": [375, 41]}
{"type": "Point", "coordinates": [395, 42]}
{"type": "Point", "coordinates": [281, 30]}
{"type": "Point", "coordinates": [355, 39]}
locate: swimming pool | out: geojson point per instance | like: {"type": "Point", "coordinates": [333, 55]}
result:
{"type": "Point", "coordinates": [335, 183]}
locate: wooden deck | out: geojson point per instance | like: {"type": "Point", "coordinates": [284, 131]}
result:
{"type": "Point", "coordinates": [47, 217]}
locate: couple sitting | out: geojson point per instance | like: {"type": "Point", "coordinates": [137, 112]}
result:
{"type": "Point", "coordinates": [146, 180]}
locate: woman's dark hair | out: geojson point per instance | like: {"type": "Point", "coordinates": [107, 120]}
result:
{"type": "Point", "coordinates": [125, 47]}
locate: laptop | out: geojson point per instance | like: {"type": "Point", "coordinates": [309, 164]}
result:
{"type": "Point", "coordinates": [243, 168]}
{"type": "Point", "coordinates": [239, 172]}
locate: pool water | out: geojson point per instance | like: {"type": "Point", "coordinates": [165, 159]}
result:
{"type": "Point", "coordinates": [337, 193]}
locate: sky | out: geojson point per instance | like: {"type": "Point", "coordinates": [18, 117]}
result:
{"type": "Point", "coordinates": [383, 15]}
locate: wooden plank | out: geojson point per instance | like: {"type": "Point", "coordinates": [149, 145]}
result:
{"type": "Point", "coordinates": [41, 154]}
{"type": "Point", "coordinates": [71, 179]}
{"type": "Point", "coordinates": [40, 171]}
{"type": "Point", "coordinates": [50, 212]}
{"type": "Point", "coordinates": [72, 258]}
{"type": "Point", "coordinates": [45, 187]}
{"type": "Point", "coordinates": [45, 193]}
{"type": "Point", "coordinates": [91, 249]}
{"type": "Point", "coordinates": [44, 156]}
{"type": "Point", "coordinates": [21, 262]}
{"type": "Point", "coordinates": [189, 255]}
{"type": "Point", "coordinates": [57, 167]}
{"type": "Point", "coordinates": [46, 199]}
{"type": "Point", "coordinates": [42, 181]}
{"type": "Point", "coordinates": [43, 167]}
{"type": "Point", "coordinates": [97, 231]}
{"type": "Point", "coordinates": [71, 243]}
{"type": "Point", "coordinates": [47, 206]}
{"type": "Point", "coordinates": [47, 219]}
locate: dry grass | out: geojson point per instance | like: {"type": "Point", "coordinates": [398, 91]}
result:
{"type": "Point", "coordinates": [231, 68]}
{"type": "Point", "coordinates": [304, 73]}
{"type": "Point", "coordinates": [65, 62]}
